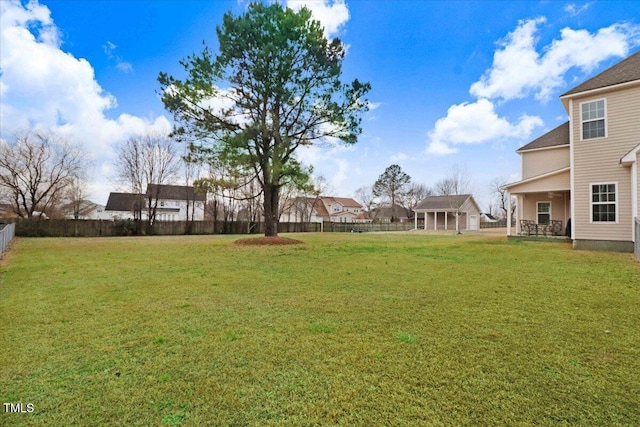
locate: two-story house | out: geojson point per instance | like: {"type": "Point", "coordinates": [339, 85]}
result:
{"type": "Point", "coordinates": [323, 208]}
{"type": "Point", "coordinates": [584, 173]}
{"type": "Point", "coordinates": [172, 202]}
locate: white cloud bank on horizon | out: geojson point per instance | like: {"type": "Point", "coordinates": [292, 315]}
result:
{"type": "Point", "coordinates": [42, 86]}
{"type": "Point", "coordinates": [519, 71]}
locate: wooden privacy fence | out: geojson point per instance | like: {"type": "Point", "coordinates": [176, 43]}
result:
{"type": "Point", "coordinates": [7, 232]}
{"type": "Point", "coordinates": [107, 228]}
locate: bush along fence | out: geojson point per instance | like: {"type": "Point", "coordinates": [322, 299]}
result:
{"type": "Point", "coordinates": [7, 232]}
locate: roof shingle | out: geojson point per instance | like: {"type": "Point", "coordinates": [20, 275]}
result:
{"type": "Point", "coordinates": [624, 71]}
{"type": "Point", "coordinates": [556, 137]}
{"type": "Point", "coordinates": [442, 202]}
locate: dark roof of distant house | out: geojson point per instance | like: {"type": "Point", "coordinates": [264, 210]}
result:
{"type": "Point", "coordinates": [624, 71]}
{"type": "Point", "coordinates": [556, 137]}
{"type": "Point", "coordinates": [442, 202]}
{"type": "Point", "coordinates": [387, 212]}
{"type": "Point", "coordinates": [123, 201]}
{"type": "Point", "coordinates": [175, 192]}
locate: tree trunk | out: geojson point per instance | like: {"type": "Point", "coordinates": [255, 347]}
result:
{"type": "Point", "coordinates": [271, 207]}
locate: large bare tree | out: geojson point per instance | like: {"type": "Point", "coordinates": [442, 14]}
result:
{"type": "Point", "coordinates": [143, 164]}
{"type": "Point", "coordinates": [415, 193]}
{"type": "Point", "coordinates": [504, 203]}
{"type": "Point", "coordinates": [364, 195]}
{"type": "Point", "coordinates": [36, 168]}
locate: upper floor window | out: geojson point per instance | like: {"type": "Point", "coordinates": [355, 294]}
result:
{"type": "Point", "coordinates": [593, 119]}
{"type": "Point", "coordinates": [603, 202]}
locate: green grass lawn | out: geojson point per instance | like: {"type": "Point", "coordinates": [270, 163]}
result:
{"type": "Point", "coordinates": [350, 329]}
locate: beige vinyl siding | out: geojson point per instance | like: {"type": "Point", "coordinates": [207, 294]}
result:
{"type": "Point", "coordinates": [558, 182]}
{"type": "Point", "coordinates": [539, 162]}
{"type": "Point", "coordinates": [598, 161]}
{"type": "Point", "coordinates": [560, 206]}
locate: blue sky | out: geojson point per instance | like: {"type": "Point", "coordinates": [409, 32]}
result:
{"type": "Point", "coordinates": [454, 83]}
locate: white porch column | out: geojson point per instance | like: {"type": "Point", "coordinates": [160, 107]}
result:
{"type": "Point", "coordinates": [415, 220]}
{"type": "Point", "coordinates": [509, 214]}
{"type": "Point", "coordinates": [435, 220]}
{"type": "Point", "coordinates": [446, 217]}
{"type": "Point", "coordinates": [519, 213]}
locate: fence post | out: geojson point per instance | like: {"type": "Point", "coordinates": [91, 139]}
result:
{"type": "Point", "coordinates": [637, 242]}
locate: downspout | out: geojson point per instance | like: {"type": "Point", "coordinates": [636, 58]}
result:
{"type": "Point", "coordinates": [634, 198]}
{"type": "Point", "coordinates": [572, 173]}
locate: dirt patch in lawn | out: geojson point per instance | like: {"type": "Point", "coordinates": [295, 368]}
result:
{"type": "Point", "coordinates": [264, 241]}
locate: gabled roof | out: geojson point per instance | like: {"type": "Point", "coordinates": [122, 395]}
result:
{"type": "Point", "coordinates": [83, 207]}
{"type": "Point", "coordinates": [554, 138]}
{"type": "Point", "coordinates": [123, 201]}
{"type": "Point", "coordinates": [344, 201]}
{"type": "Point", "coordinates": [175, 192]}
{"type": "Point", "coordinates": [387, 212]}
{"type": "Point", "coordinates": [624, 71]}
{"type": "Point", "coordinates": [443, 203]}
{"type": "Point", "coordinates": [320, 208]}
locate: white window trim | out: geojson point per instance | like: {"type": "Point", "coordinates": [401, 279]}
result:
{"type": "Point", "coordinates": [538, 209]}
{"type": "Point", "coordinates": [591, 202]}
{"type": "Point", "coordinates": [606, 127]}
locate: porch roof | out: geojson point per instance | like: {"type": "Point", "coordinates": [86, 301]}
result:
{"type": "Point", "coordinates": [630, 157]}
{"type": "Point", "coordinates": [558, 180]}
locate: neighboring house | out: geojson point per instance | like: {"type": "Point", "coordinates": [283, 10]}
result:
{"type": "Point", "coordinates": [85, 209]}
{"type": "Point", "coordinates": [440, 212]}
{"type": "Point", "coordinates": [385, 214]}
{"type": "Point", "coordinates": [586, 170]}
{"type": "Point", "coordinates": [487, 217]}
{"type": "Point", "coordinates": [6, 211]}
{"type": "Point", "coordinates": [304, 209]}
{"type": "Point", "coordinates": [176, 201]}
{"type": "Point", "coordinates": [323, 208]}
{"type": "Point", "coordinates": [342, 209]}
{"type": "Point", "coordinates": [173, 201]}
{"type": "Point", "coordinates": [124, 205]}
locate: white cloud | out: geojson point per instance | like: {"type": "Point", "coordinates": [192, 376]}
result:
{"type": "Point", "coordinates": [121, 65]}
{"type": "Point", "coordinates": [476, 123]}
{"type": "Point", "coordinates": [519, 71]}
{"type": "Point", "coordinates": [332, 14]}
{"type": "Point", "coordinates": [575, 10]}
{"type": "Point", "coordinates": [399, 157]}
{"type": "Point", "coordinates": [43, 86]}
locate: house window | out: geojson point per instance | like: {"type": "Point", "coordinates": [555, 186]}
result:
{"type": "Point", "coordinates": [603, 202]}
{"type": "Point", "coordinates": [544, 212]}
{"type": "Point", "coordinates": [593, 117]}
